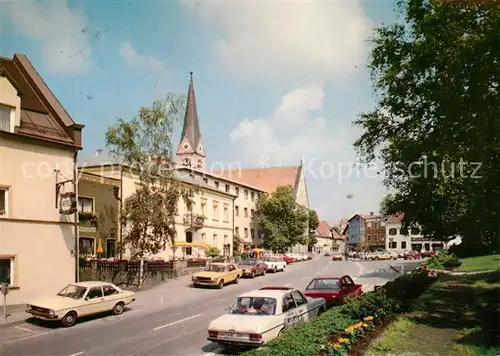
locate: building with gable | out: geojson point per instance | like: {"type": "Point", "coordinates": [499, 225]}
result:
{"type": "Point", "coordinates": [39, 143]}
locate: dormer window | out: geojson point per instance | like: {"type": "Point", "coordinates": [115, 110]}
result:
{"type": "Point", "coordinates": [6, 117]}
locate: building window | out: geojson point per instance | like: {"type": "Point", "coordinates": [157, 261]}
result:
{"type": "Point", "coordinates": [85, 205]}
{"type": "Point", "coordinates": [110, 248]}
{"type": "Point", "coordinates": [375, 237]}
{"type": "Point", "coordinates": [237, 210]}
{"type": "Point", "coordinates": [252, 213]}
{"type": "Point", "coordinates": [246, 212]}
{"type": "Point", "coordinates": [369, 237]}
{"type": "Point", "coordinates": [226, 214]}
{"type": "Point", "coordinates": [252, 195]}
{"type": "Point", "coordinates": [4, 202]}
{"type": "Point", "coordinates": [5, 118]}
{"type": "Point", "coordinates": [246, 194]}
{"type": "Point", "coordinates": [369, 225]}
{"type": "Point", "coordinates": [246, 232]}
{"type": "Point", "coordinates": [7, 270]}
{"type": "Point", "coordinates": [415, 231]}
{"type": "Point", "coordinates": [375, 225]}
{"type": "Point", "coordinates": [216, 211]}
{"type": "Point", "coordinates": [252, 233]}
{"type": "Point", "coordinates": [203, 208]}
{"type": "Point", "coordinates": [404, 231]}
{"type": "Point", "coordinates": [393, 231]}
{"type": "Point", "coordinates": [86, 246]}
{"type": "Point", "coordinates": [403, 245]}
{"type": "Point", "coordinates": [216, 184]}
{"type": "Point", "coordinates": [205, 180]}
{"type": "Point", "coordinates": [227, 188]}
{"type": "Point", "coordinates": [215, 240]}
{"type": "Point", "coordinates": [393, 244]}
{"type": "Point", "coordinates": [237, 231]}
{"type": "Point", "coordinates": [237, 191]}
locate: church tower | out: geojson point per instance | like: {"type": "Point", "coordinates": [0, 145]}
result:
{"type": "Point", "coordinates": [191, 152]}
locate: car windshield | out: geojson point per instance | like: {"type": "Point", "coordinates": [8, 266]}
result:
{"type": "Point", "coordinates": [254, 306]}
{"type": "Point", "coordinates": [73, 291]}
{"type": "Point", "coordinates": [324, 284]}
{"type": "Point", "coordinates": [248, 262]}
{"type": "Point", "coordinates": [272, 259]}
{"type": "Point", "coordinates": [214, 268]}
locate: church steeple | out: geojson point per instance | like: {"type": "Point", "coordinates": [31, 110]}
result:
{"type": "Point", "coordinates": [191, 152]}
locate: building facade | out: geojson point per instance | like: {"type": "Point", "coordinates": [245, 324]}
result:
{"type": "Point", "coordinates": [39, 143]}
{"type": "Point", "coordinates": [400, 240]}
{"type": "Point", "coordinates": [374, 236]}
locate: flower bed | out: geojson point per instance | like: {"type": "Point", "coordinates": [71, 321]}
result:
{"type": "Point", "coordinates": [343, 329]}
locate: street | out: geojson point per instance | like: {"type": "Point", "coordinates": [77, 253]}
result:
{"type": "Point", "coordinates": [172, 318]}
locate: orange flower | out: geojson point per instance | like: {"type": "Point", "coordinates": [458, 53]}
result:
{"type": "Point", "coordinates": [343, 340]}
{"type": "Point", "coordinates": [368, 318]}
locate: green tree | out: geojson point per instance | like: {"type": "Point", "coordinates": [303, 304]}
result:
{"type": "Point", "coordinates": [144, 143]}
{"type": "Point", "coordinates": [386, 205]}
{"type": "Point", "coordinates": [313, 225]}
{"type": "Point", "coordinates": [435, 126]}
{"type": "Point", "coordinates": [283, 221]}
{"type": "Point", "coordinates": [212, 251]}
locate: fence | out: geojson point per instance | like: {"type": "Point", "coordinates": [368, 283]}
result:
{"type": "Point", "coordinates": [133, 275]}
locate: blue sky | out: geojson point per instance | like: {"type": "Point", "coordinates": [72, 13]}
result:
{"type": "Point", "coordinates": [275, 82]}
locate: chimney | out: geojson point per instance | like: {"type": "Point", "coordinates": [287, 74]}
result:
{"type": "Point", "coordinates": [371, 213]}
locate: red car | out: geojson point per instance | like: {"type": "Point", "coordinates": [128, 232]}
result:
{"type": "Point", "coordinates": [288, 259]}
{"type": "Point", "coordinates": [333, 289]}
{"type": "Point", "coordinates": [253, 267]}
{"type": "Point", "coordinates": [428, 254]}
{"type": "Point", "coordinates": [413, 255]}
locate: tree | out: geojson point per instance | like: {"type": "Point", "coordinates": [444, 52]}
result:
{"type": "Point", "coordinates": [145, 145]}
{"type": "Point", "coordinates": [337, 229]}
{"type": "Point", "coordinates": [283, 221]}
{"type": "Point", "coordinates": [212, 251]}
{"type": "Point", "coordinates": [313, 225]}
{"type": "Point", "coordinates": [435, 127]}
{"type": "Point", "coordinates": [386, 205]}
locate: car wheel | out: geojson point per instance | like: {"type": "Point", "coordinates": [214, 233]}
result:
{"type": "Point", "coordinates": [237, 280]}
{"type": "Point", "coordinates": [253, 274]}
{"type": "Point", "coordinates": [118, 309]}
{"type": "Point", "coordinates": [220, 285]}
{"type": "Point", "coordinates": [376, 258]}
{"type": "Point", "coordinates": [321, 310]}
{"type": "Point", "coordinates": [275, 269]}
{"type": "Point", "coordinates": [264, 272]}
{"type": "Point", "coordinates": [69, 319]}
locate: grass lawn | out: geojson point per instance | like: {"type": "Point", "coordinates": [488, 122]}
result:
{"type": "Point", "coordinates": [457, 316]}
{"type": "Point", "coordinates": [481, 263]}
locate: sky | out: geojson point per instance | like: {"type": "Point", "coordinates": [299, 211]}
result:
{"type": "Point", "coordinates": [276, 82]}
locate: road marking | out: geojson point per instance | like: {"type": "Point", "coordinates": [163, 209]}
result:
{"type": "Point", "coordinates": [361, 268]}
{"type": "Point", "coordinates": [25, 329]}
{"type": "Point", "coordinates": [24, 338]}
{"type": "Point", "coordinates": [177, 322]}
{"type": "Point", "coordinates": [78, 353]}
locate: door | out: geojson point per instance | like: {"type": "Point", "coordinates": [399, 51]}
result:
{"type": "Point", "coordinates": [302, 311]}
{"type": "Point", "coordinates": [94, 301]}
{"type": "Point", "coordinates": [231, 270]}
{"type": "Point", "coordinates": [111, 296]}
{"type": "Point", "coordinates": [289, 309]}
{"type": "Point", "coordinates": [347, 286]}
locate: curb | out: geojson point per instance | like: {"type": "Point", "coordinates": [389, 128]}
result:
{"type": "Point", "coordinates": [12, 323]}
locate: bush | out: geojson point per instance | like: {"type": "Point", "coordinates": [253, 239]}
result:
{"type": "Point", "coordinates": [314, 338]}
{"type": "Point", "coordinates": [244, 255]}
{"type": "Point", "coordinates": [212, 251]}
{"type": "Point", "coordinates": [442, 260]}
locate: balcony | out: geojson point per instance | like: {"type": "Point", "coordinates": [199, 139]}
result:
{"type": "Point", "coordinates": [195, 221]}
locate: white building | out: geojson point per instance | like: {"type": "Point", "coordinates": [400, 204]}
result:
{"type": "Point", "coordinates": [399, 240]}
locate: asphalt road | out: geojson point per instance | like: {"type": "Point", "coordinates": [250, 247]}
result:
{"type": "Point", "coordinates": [172, 319]}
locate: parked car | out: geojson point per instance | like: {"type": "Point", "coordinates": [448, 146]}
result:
{"type": "Point", "coordinates": [337, 257]}
{"type": "Point", "coordinates": [412, 255]}
{"type": "Point", "coordinates": [288, 259]}
{"type": "Point", "coordinates": [327, 253]}
{"type": "Point", "coordinates": [252, 267]}
{"type": "Point", "coordinates": [310, 256]}
{"type": "Point", "coordinates": [275, 264]}
{"type": "Point", "coordinates": [260, 316]}
{"type": "Point", "coordinates": [77, 300]}
{"type": "Point", "coordinates": [333, 289]}
{"type": "Point", "coordinates": [380, 255]}
{"type": "Point", "coordinates": [425, 254]}
{"type": "Point", "coordinates": [217, 275]}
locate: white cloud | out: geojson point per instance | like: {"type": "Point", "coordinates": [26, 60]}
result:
{"type": "Point", "coordinates": [293, 132]}
{"type": "Point", "coordinates": [62, 32]}
{"type": "Point", "coordinates": [287, 41]}
{"type": "Point", "coordinates": [144, 62]}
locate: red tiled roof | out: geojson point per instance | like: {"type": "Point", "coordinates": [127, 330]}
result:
{"type": "Point", "coordinates": [323, 229]}
{"type": "Point", "coordinates": [267, 179]}
{"type": "Point", "coordinates": [396, 218]}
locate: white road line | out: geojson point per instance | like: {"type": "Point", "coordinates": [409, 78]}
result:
{"type": "Point", "coordinates": [24, 338]}
{"type": "Point", "coordinates": [361, 268]}
{"type": "Point", "coordinates": [25, 329]}
{"type": "Point", "coordinates": [177, 322]}
{"type": "Point", "coordinates": [78, 353]}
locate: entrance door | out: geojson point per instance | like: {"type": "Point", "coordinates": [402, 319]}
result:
{"type": "Point", "coordinates": [110, 248]}
{"type": "Point", "coordinates": [189, 238]}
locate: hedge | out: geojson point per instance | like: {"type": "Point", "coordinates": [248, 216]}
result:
{"type": "Point", "coordinates": [332, 332]}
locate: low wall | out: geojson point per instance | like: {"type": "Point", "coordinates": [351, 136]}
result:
{"type": "Point", "coordinates": [134, 275]}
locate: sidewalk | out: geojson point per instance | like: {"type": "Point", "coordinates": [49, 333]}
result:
{"type": "Point", "coordinates": [16, 314]}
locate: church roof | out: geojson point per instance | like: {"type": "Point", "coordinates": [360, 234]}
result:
{"type": "Point", "coordinates": [191, 128]}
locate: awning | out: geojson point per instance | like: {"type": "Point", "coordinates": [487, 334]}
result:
{"type": "Point", "coordinates": [258, 250]}
{"type": "Point", "coordinates": [196, 244]}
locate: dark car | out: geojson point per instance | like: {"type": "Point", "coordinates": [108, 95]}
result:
{"type": "Point", "coordinates": [333, 289]}
{"type": "Point", "coordinates": [253, 267]}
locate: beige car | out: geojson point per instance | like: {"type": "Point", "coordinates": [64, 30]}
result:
{"type": "Point", "coordinates": [81, 299]}
{"type": "Point", "coordinates": [217, 275]}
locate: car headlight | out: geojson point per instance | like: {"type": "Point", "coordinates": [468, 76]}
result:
{"type": "Point", "coordinates": [214, 279]}
{"type": "Point", "coordinates": [51, 312]}
{"type": "Point", "coordinates": [193, 278]}
{"type": "Point", "coordinates": [28, 306]}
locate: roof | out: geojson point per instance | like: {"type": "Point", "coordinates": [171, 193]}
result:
{"type": "Point", "coordinates": [277, 293]}
{"type": "Point", "coordinates": [327, 277]}
{"type": "Point", "coordinates": [323, 229]}
{"type": "Point", "coordinates": [266, 179]}
{"type": "Point", "coordinates": [396, 218]}
{"type": "Point", "coordinates": [42, 115]}
{"type": "Point", "coordinates": [191, 128]}
{"type": "Point", "coordinates": [88, 284]}
{"type": "Point", "coordinates": [220, 264]}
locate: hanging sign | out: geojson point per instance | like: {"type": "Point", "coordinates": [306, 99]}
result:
{"type": "Point", "coordinates": [67, 203]}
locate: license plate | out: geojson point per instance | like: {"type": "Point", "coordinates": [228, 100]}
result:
{"type": "Point", "coordinates": [234, 336]}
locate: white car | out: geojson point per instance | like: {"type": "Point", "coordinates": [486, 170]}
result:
{"type": "Point", "coordinates": [81, 299]}
{"type": "Point", "coordinates": [260, 316]}
{"type": "Point", "coordinates": [275, 264]}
